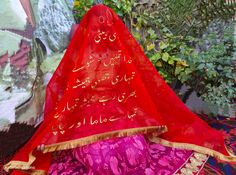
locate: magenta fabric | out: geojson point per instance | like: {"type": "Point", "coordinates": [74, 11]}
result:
{"type": "Point", "coordinates": [132, 155]}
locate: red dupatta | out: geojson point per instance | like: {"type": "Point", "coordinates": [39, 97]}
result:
{"type": "Point", "coordinates": [106, 87]}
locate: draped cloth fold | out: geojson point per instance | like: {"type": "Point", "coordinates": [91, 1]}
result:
{"type": "Point", "coordinates": [106, 87]}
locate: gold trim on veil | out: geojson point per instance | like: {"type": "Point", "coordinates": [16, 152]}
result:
{"type": "Point", "coordinates": [21, 165]}
{"type": "Point", "coordinates": [200, 149]}
{"type": "Point", "coordinates": [151, 132]}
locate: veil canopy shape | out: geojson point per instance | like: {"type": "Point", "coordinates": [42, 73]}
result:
{"type": "Point", "coordinates": [106, 87]}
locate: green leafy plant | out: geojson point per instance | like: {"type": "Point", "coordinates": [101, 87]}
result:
{"type": "Point", "coordinates": [122, 7]}
{"type": "Point", "coordinates": [81, 7]}
{"type": "Point", "coordinates": [213, 72]}
{"type": "Point", "coordinates": [170, 57]}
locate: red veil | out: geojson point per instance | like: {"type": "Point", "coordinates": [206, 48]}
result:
{"type": "Point", "coordinates": [106, 87]}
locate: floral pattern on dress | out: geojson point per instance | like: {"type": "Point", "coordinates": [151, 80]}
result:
{"type": "Point", "coordinates": [133, 155]}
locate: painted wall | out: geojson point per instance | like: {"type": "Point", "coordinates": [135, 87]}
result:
{"type": "Point", "coordinates": [33, 37]}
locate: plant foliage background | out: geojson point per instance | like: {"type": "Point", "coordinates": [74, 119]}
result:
{"type": "Point", "coordinates": [189, 42]}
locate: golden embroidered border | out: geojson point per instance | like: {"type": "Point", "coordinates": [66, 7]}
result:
{"type": "Point", "coordinates": [154, 131]}
{"type": "Point", "coordinates": [200, 149]}
{"type": "Point", "coordinates": [193, 164]}
{"type": "Point", "coordinates": [20, 165]}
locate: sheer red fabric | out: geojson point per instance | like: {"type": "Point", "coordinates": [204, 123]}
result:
{"type": "Point", "coordinates": [106, 87]}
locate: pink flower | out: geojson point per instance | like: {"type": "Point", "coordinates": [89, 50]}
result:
{"type": "Point", "coordinates": [163, 161]}
{"type": "Point", "coordinates": [149, 171]}
{"type": "Point", "coordinates": [131, 156]}
{"type": "Point", "coordinates": [114, 165]}
{"type": "Point", "coordinates": [138, 144]}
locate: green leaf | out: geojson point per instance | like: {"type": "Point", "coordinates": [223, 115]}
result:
{"type": "Point", "coordinates": [165, 56]}
{"type": "Point", "coordinates": [171, 62]}
{"type": "Point", "coordinates": [182, 63]}
{"type": "Point", "coordinates": [201, 66]}
{"type": "Point", "coordinates": [175, 58]}
{"type": "Point", "coordinates": [158, 64]}
{"type": "Point", "coordinates": [150, 46]}
{"type": "Point", "coordinates": [136, 35]}
{"type": "Point", "coordinates": [152, 33]}
{"type": "Point", "coordinates": [163, 45]}
{"type": "Point", "coordinates": [156, 56]}
{"type": "Point", "coordinates": [178, 70]}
